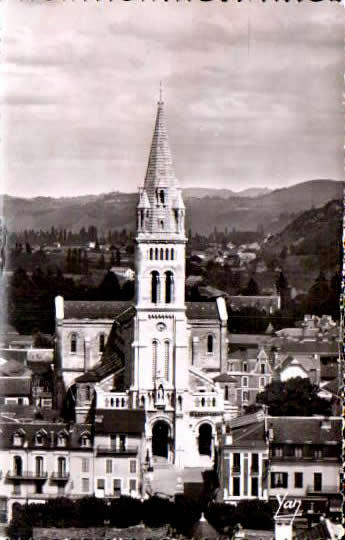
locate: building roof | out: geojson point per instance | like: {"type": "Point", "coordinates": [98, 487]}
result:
{"type": "Point", "coordinates": [224, 377]}
{"type": "Point", "coordinates": [50, 429]}
{"type": "Point", "coordinates": [94, 309]}
{"type": "Point", "coordinates": [299, 429]}
{"type": "Point", "coordinates": [119, 421]}
{"type": "Point", "coordinates": [202, 310]}
{"type": "Point", "coordinates": [15, 386]}
{"type": "Point", "coordinates": [252, 436]}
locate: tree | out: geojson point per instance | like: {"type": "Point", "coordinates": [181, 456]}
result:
{"type": "Point", "coordinates": [252, 288]}
{"type": "Point", "coordinates": [109, 289]}
{"type": "Point", "coordinates": [294, 397]}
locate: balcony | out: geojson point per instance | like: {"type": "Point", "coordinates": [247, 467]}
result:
{"type": "Point", "coordinates": [113, 400]}
{"type": "Point", "coordinates": [59, 476]}
{"type": "Point", "coordinates": [279, 459]}
{"type": "Point", "coordinates": [324, 490]}
{"type": "Point", "coordinates": [27, 475]}
{"type": "Point", "coordinates": [117, 450]}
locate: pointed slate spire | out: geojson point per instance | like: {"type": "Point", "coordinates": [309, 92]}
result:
{"type": "Point", "coordinates": [160, 171]}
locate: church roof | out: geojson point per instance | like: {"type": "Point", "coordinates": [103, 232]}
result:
{"type": "Point", "coordinates": [202, 310]}
{"type": "Point", "coordinates": [94, 309]}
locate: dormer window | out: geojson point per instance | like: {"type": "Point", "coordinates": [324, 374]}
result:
{"type": "Point", "coordinates": [263, 368]}
{"type": "Point", "coordinates": [61, 440]}
{"type": "Point", "coordinates": [18, 438]}
{"type": "Point", "coordinates": [39, 438]}
{"type": "Point", "coordinates": [85, 440]}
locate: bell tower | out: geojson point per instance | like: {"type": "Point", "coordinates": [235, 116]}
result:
{"type": "Point", "coordinates": [160, 358]}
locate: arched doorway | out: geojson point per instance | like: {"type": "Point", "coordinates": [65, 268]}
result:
{"type": "Point", "coordinates": [160, 439]}
{"type": "Point", "coordinates": [205, 440]}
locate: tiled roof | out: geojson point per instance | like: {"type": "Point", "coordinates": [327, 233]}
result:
{"type": "Point", "coordinates": [202, 310]}
{"type": "Point", "coordinates": [13, 386]}
{"type": "Point", "coordinates": [94, 309]}
{"type": "Point", "coordinates": [50, 440]}
{"type": "Point", "coordinates": [119, 421]}
{"type": "Point", "coordinates": [300, 429]}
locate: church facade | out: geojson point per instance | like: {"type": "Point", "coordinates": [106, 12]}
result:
{"type": "Point", "coordinates": [159, 353]}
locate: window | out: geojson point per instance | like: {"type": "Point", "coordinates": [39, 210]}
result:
{"type": "Point", "coordinates": [245, 367]}
{"type": "Point", "coordinates": [151, 254]}
{"type": "Point", "coordinates": [226, 393]}
{"type": "Point", "coordinates": [245, 396]}
{"type": "Point", "coordinates": [17, 439]}
{"type": "Point", "coordinates": [255, 462]}
{"type": "Point", "coordinates": [156, 254]}
{"type": "Point", "coordinates": [85, 485]}
{"type": "Point", "coordinates": [263, 368]}
{"type": "Point", "coordinates": [109, 466]}
{"type": "Point", "coordinates": [172, 254]}
{"type": "Point", "coordinates": [167, 254]}
{"type": "Point", "coordinates": [210, 343]}
{"type": "Point", "coordinates": [62, 469]}
{"type": "Point", "coordinates": [317, 453]}
{"type": "Point", "coordinates": [39, 439]}
{"type": "Point", "coordinates": [100, 483]}
{"type": "Point", "coordinates": [155, 286]}
{"type": "Point", "coordinates": [317, 481]}
{"type": "Point", "coordinates": [298, 479]}
{"type": "Point", "coordinates": [162, 254]}
{"type": "Point", "coordinates": [166, 359]}
{"type": "Point", "coordinates": [244, 381]}
{"type": "Point", "coordinates": [236, 462]}
{"type": "Point", "coordinates": [298, 451]}
{"type": "Point", "coordinates": [262, 382]}
{"type": "Point", "coordinates": [279, 479]}
{"type": "Point", "coordinates": [60, 490]}
{"type": "Point", "coordinates": [133, 466]}
{"type": "Point", "coordinates": [101, 343]}
{"type": "Point", "coordinates": [18, 465]}
{"type": "Point", "coordinates": [85, 464]}
{"type": "Point", "coordinates": [132, 485]}
{"type": "Point", "coordinates": [236, 486]}
{"type": "Point", "coordinates": [16, 488]}
{"type": "Point", "coordinates": [38, 487]}
{"type": "Point", "coordinates": [85, 441]}
{"type": "Point", "coordinates": [278, 451]}
{"type": "Point", "coordinates": [255, 487]}
{"type": "Point", "coordinates": [39, 466]}
{"type": "Point", "coordinates": [154, 358]}
{"type": "Point", "coordinates": [231, 366]}
{"type": "Point", "coordinates": [61, 441]}
{"type": "Point", "coordinates": [161, 224]}
{"type": "Point", "coordinates": [123, 442]}
{"type": "Point", "coordinates": [169, 287]}
{"type": "Point", "coordinates": [73, 343]}
{"type": "Point", "coordinates": [161, 195]}
{"type": "Point", "coordinates": [117, 487]}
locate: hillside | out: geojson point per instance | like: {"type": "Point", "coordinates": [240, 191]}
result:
{"type": "Point", "coordinates": [315, 233]}
{"type": "Point", "coordinates": [274, 210]}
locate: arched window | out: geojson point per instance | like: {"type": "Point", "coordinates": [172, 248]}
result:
{"type": "Point", "coordinates": [210, 343]}
{"type": "Point", "coordinates": [101, 343]}
{"type": "Point", "coordinates": [154, 358]}
{"type": "Point", "coordinates": [155, 287]}
{"type": "Point", "coordinates": [162, 254]}
{"type": "Point", "coordinates": [151, 254]}
{"type": "Point", "coordinates": [74, 343]}
{"type": "Point", "coordinates": [172, 254]}
{"type": "Point", "coordinates": [166, 359]}
{"type": "Point", "coordinates": [167, 254]}
{"type": "Point", "coordinates": [169, 287]}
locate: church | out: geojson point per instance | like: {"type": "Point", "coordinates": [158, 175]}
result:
{"type": "Point", "coordinates": [158, 353]}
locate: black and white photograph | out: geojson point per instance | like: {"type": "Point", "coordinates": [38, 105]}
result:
{"type": "Point", "coordinates": [171, 265]}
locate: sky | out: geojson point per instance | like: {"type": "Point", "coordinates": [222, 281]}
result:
{"type": "Point", "coordinates": [252, 92]}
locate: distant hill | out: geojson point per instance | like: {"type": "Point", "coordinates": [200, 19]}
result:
{"type": "Point", "coordinates": [116, 210]}
{"type": "Point", "coordinates": [200, 193]}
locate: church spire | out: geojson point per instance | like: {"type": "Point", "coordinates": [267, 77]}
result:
{"type": "Point", "coordinates": [160, 171]}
